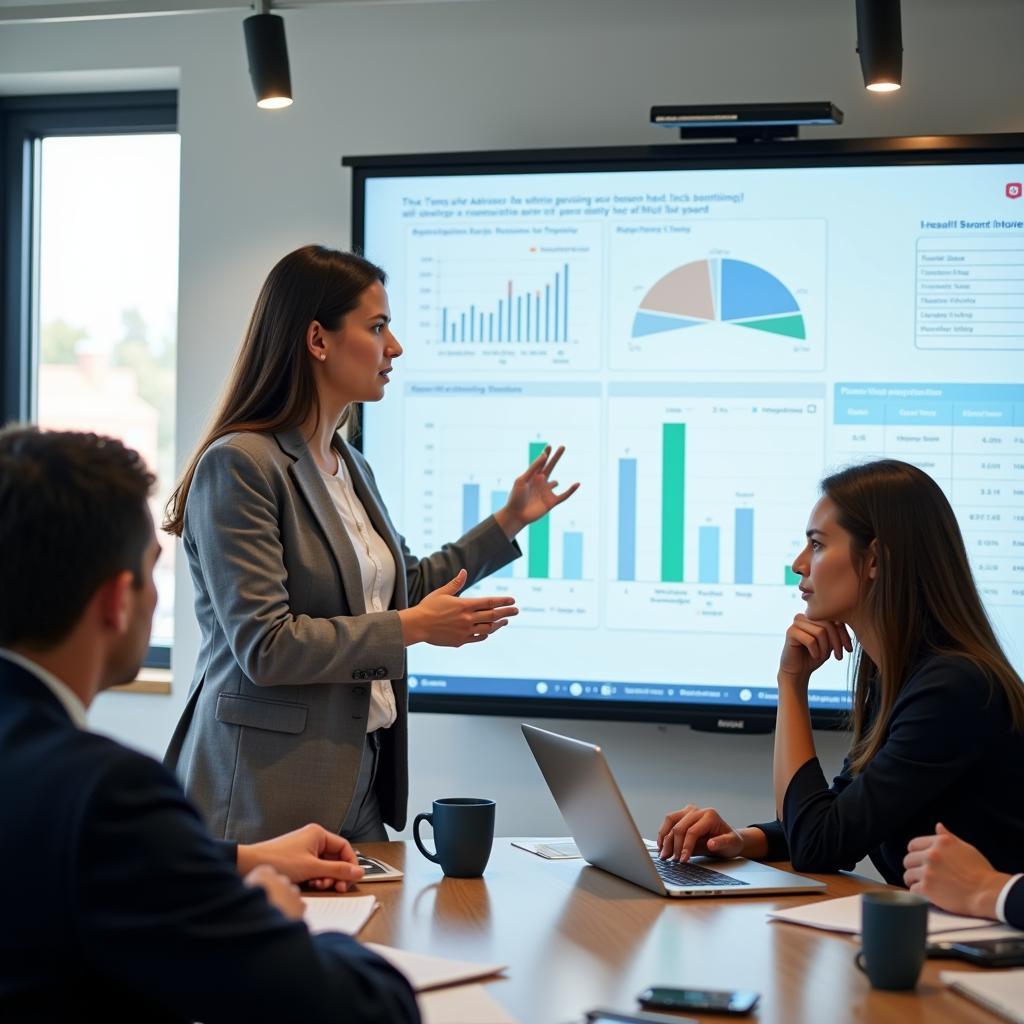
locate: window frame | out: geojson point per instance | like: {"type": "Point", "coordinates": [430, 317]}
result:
{"type": "Point", "coordinates": [24, 122]}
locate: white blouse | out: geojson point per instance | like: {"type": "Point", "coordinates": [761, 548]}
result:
{"type": "Point", "coordinates": [377, 568]}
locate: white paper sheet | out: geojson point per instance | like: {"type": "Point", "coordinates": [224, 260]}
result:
{"type": "Point", "coordinates": [1002, 992]}
{"type": "Point", "coordinates": [843, 915]}
{"type": "Point", "coordinates": [428, 972]}
{"type": "Point", "coordinates": [338, 913]}
{"type": "Point", "coordinates": [550, 849]}
{"type": "Point", "coordinates": [464, 1004]}
{"type": "Point", "coordinates": [993, 931]}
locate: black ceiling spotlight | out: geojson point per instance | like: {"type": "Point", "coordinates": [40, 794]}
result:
{"type": "Point", "coordinates": [268, 58]}
{"type": "Point", "coordinates": [880, 44]}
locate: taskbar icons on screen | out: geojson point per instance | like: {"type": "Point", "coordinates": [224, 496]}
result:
{"type": "Point", "coordinates": [627, 693]}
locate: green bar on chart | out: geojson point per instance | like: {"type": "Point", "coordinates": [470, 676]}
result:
{"type": "Point", "coordinates": [792, 578]}
{"type": "Point", "coordinates": [538, 533]}
{"type": "Point", "coordinates": [673, 498]}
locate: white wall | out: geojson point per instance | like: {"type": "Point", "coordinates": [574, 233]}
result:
{"type": "Point", "coordinates": [499, 75]}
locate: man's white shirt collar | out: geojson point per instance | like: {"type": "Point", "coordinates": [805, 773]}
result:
{"type": "Point", "coordinates": [68, 698]}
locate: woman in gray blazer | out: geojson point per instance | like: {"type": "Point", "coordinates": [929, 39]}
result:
{"type": "Point", "coordinates": [306, 595]}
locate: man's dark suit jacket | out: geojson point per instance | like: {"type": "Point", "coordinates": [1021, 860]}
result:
{"type": "Point", "coordinates": [1013, 909]}
{"type": "Point", "coordinates": [118, 906]}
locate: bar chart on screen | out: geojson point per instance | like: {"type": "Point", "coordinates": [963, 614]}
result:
{"type": "Point", "coordinates": [517, 298]}
{"type": "Point", "coordinates": [471, 442]}
{"type": "Point", "coordinates": [712, 486]}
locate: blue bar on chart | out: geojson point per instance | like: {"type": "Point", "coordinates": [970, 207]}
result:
{"type": "Point", "coordinates": [565, 305]}
{"type": "Point", "coordinates": [498, 499]}
{"type": "Point", "coordinates": [572, 555]}
{"type": "Point", "coordinates": [627, 519]}
{"type": "Point", "coordinates": [707, 554]}
{"type": "Point", "coordinates": [743, 569]}
{"type": "Point", "coordinates": [532, 324]}
{"type": "Point", "coordinates": [470, 506]}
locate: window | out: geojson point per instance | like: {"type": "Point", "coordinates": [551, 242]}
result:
{"type": "Point", "coordinates": [91, 282]}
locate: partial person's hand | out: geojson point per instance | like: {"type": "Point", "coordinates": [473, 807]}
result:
{"type": "Point", "coordinates": [697, 830]}
{"type": "Point", "coordinates": [809, 644]}
{"type": "Point", "coordinates": [281, 893]}
{"type": "Point", "coordinates": [533, 493]}
{"type": "Point", "coordinates": [445, 620]}
{"type": "Point", "coordinates": [310, 854]}
{"type": "Point", "coordinates": [952, 874]}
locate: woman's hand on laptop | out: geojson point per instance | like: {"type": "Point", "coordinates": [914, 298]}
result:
{"type": "Point", "coordinates": [700, 830]}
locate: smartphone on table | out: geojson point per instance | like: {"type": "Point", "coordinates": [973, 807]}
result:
{"type": "Point", "coordinates": [983, 952]}
{"type": "Point", "coordinates": [699, 1000]}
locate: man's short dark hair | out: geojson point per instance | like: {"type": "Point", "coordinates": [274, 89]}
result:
{"type": "Point", "coordinates": [73, 515]}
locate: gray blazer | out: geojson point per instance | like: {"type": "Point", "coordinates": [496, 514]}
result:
{"type": "Point", "coordinates": [273, 731]}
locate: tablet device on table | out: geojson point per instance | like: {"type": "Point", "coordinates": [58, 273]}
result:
{"type": "Point", "coordinates": [375, 870]}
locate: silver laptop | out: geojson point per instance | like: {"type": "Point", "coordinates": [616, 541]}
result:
{"type": "Point", "coordinates": [590, 801]}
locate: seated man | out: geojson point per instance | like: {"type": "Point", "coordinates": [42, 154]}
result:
{"type": "Point", "coordinates": [957, 877]}
{"type": "Point", "coordinates": [117, 904]}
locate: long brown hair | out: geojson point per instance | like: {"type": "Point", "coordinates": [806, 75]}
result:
{"type": "Point", "coordinates": [922, 600]}
{"type": "Point", "coordinates": [271, 386]}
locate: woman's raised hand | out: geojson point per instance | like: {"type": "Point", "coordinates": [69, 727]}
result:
{"type": "Point", "coordinates": [810, 643]}
{"type": "Point", "coordinates": [697, 830]}
{"type": "Point", "coordinates": [446, 620]}
{"type": "Point", "coordinates": [533, 493]}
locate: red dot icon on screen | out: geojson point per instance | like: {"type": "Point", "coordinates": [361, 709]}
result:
{"type": "Point", "coordinates": [1014, 189]}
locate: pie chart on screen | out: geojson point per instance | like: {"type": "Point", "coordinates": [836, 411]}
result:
{"type": "Point", "coordinates": [719, 290]}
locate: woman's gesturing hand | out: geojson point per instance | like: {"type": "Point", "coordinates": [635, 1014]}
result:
{"type": "Point", "coordinates": [445, 620]}
{"type": "Point", "coordinates": [697, 830]}
{"type": "Point", "coordinates": [533, 493]}
{"type": "Point", "coordinates": [810, 643]}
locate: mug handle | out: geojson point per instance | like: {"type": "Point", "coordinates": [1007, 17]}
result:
{"type": "Point", "coordinates": [429, 819]}
{"type": "Point", "coordinates": [859, 960]}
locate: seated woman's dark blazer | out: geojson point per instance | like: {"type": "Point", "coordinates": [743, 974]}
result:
{"type": "Point", "coordinates": [950, 755]}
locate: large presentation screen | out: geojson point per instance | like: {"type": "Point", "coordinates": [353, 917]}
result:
{"type": "Point", "coordinates": [707, 338]}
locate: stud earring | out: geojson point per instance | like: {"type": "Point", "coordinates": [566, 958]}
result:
{"type": "Point", "coordinates": [322, 357]}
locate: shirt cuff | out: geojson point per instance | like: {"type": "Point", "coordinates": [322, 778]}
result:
{"type": "Point", "coordinates": [1003, 895]}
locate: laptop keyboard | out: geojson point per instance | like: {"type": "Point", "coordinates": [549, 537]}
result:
{"type": "Point", "coordinates": [676, 873]}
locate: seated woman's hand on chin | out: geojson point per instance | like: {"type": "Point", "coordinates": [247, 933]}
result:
{"type": "Point", "coordinates": [702, 830]}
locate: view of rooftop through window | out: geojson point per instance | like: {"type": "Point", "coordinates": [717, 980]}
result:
{"type": "Point", "coordinates": [108, 294]}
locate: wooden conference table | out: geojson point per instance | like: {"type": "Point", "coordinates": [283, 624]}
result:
{"type": "Point", "coordinates": [575, 937]}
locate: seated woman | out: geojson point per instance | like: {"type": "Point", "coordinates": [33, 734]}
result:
{"type": "Point", "coordinates": [955, 876]}
{"type": "Point", "coordinates": [938, 712]}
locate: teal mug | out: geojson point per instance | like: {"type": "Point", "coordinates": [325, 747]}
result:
{"type": "Point", "coordinates": [894, 933]}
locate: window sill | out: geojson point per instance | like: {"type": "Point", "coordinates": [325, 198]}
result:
{"type": "Point", "coordinates": [148, 680]}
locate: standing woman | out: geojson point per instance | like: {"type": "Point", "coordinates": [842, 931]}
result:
{"type": "Point", "coordinates": [938, 711]}
{"type": "Point", "coordinates": [306, 595]}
